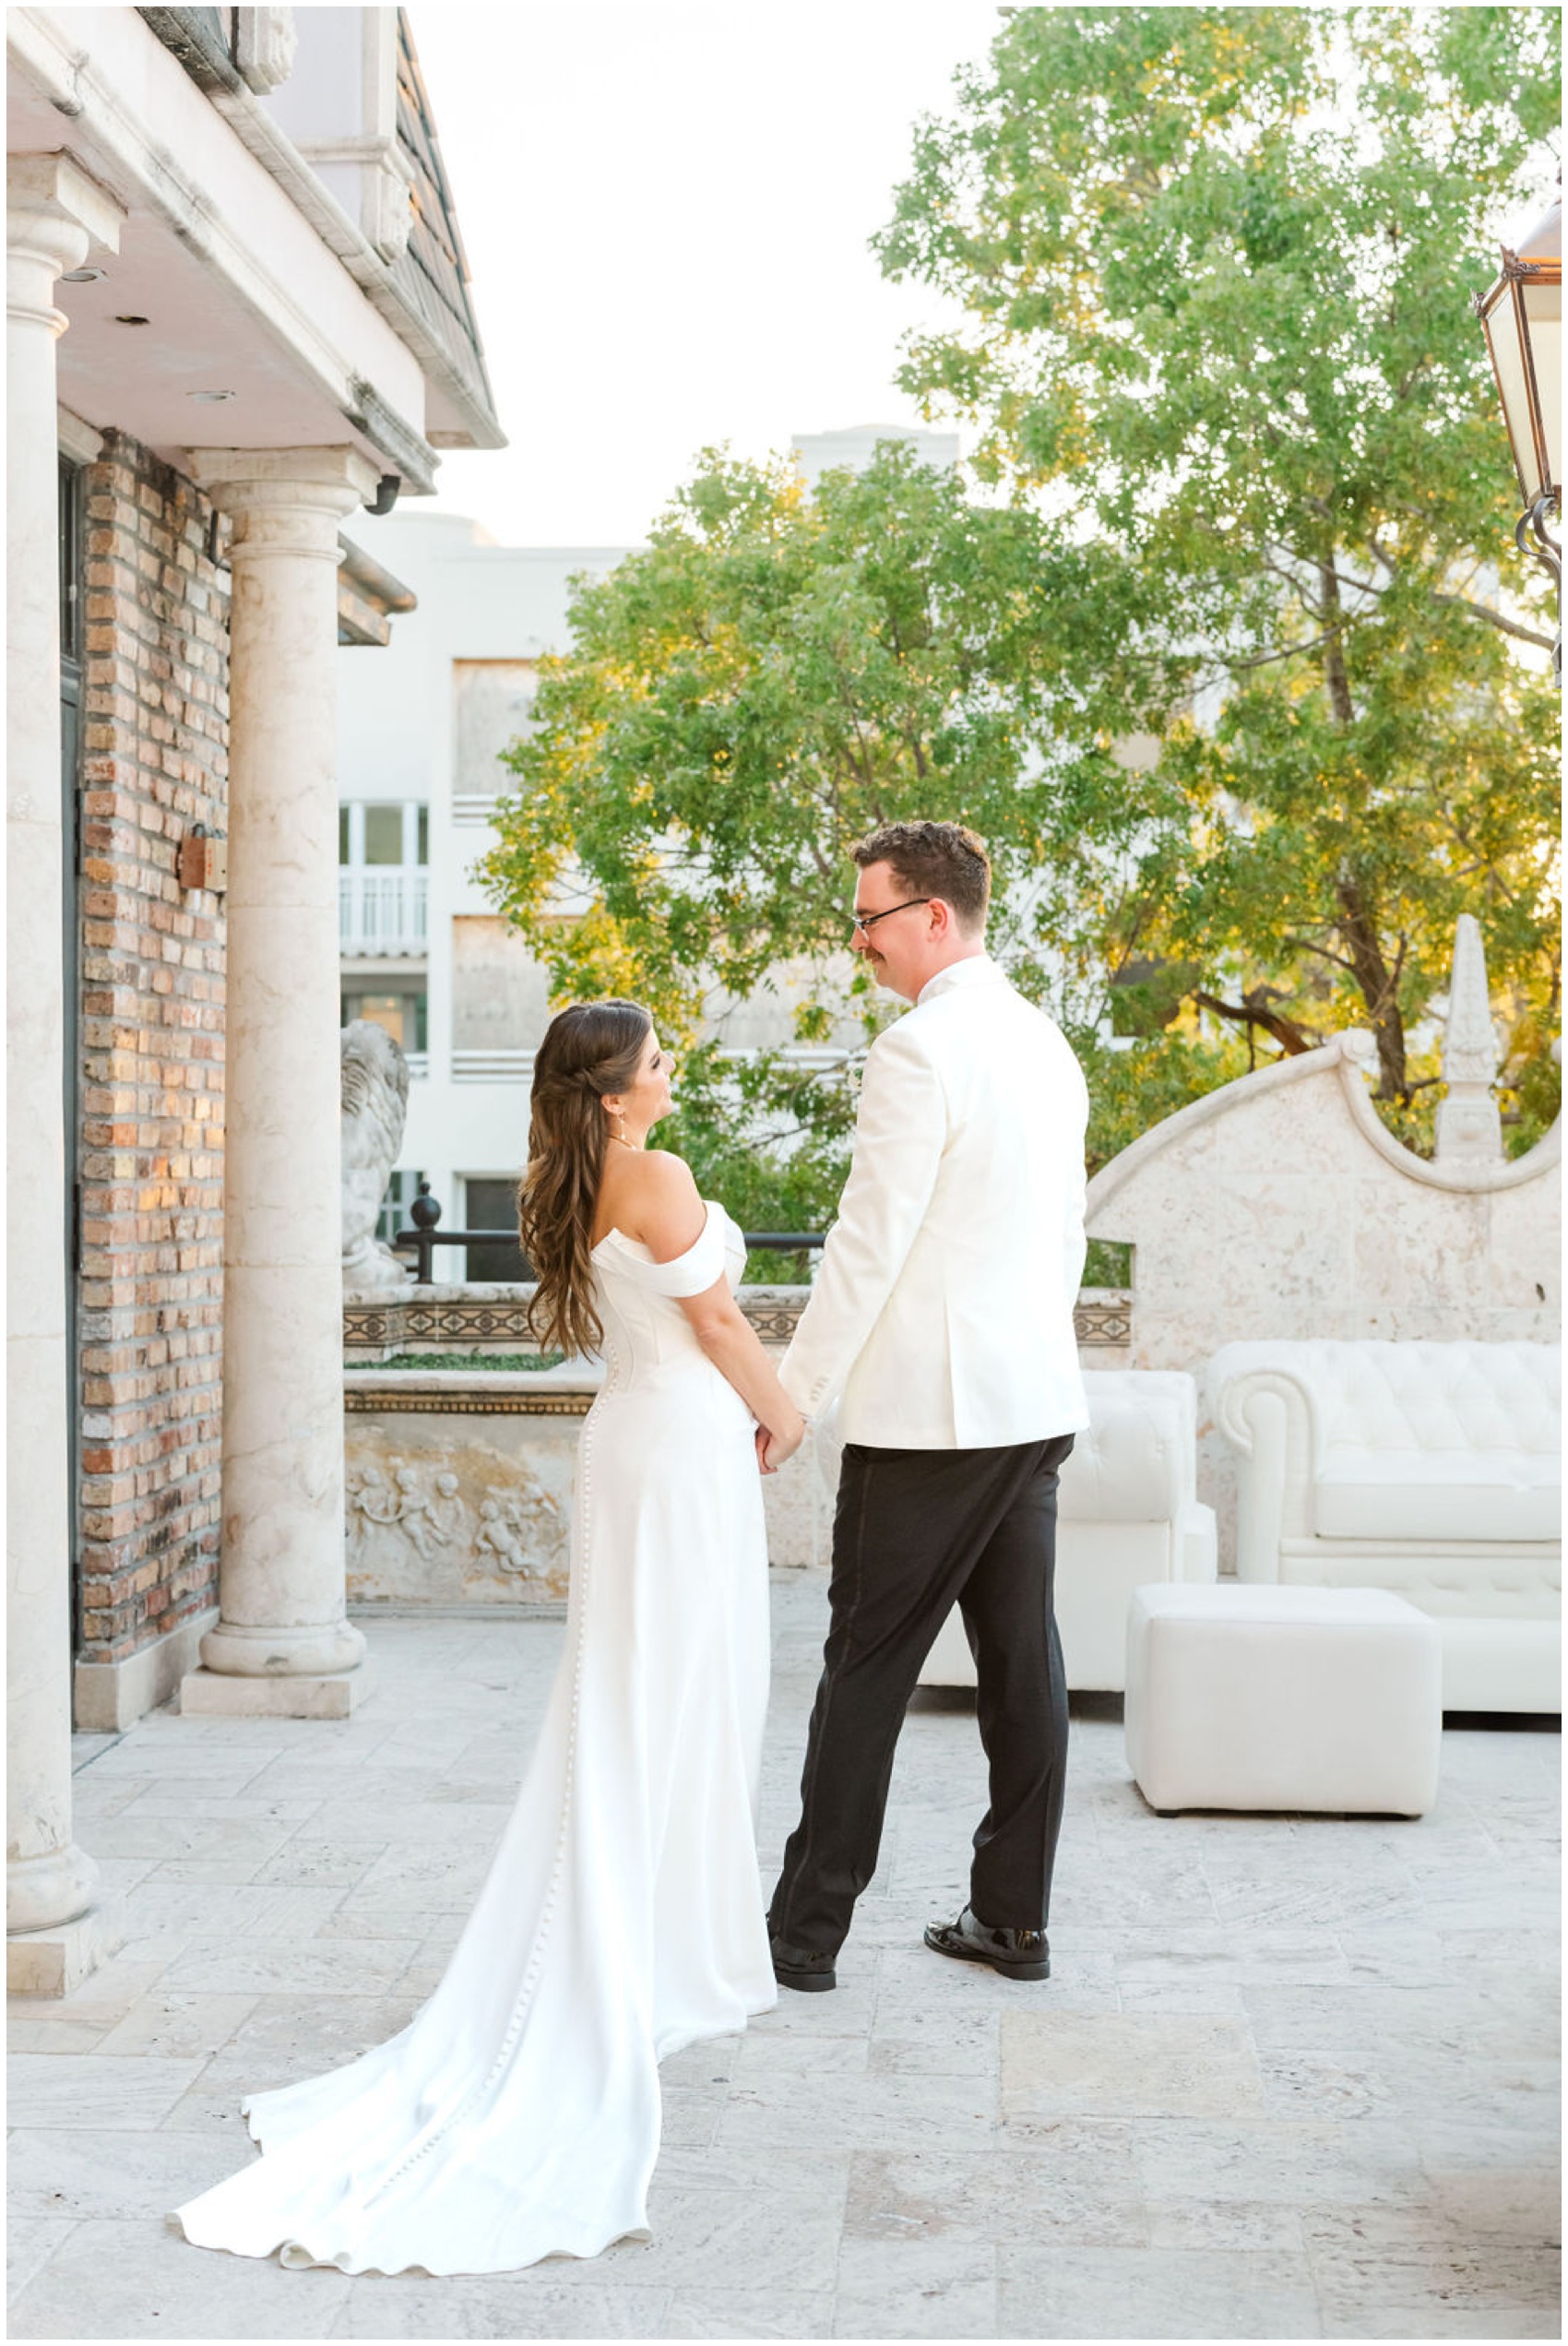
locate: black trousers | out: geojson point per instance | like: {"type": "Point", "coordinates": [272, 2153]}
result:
{"type": "Point", "coordinates": [913, 1530]}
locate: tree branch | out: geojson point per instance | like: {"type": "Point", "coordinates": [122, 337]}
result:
{"type": "Point", "coordinates": [1251, 1012]}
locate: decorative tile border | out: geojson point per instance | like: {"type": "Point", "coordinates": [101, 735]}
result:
{"type": "Point", "coordinates": [404, 1396]}
{"type": "Point", "coordinates": [1103, 1320]}
{"type": "Point", "coordinates": [497, 1315]}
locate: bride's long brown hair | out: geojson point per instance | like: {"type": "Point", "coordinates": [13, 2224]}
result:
{"type": "Point", "coordinates": [590, 1049]}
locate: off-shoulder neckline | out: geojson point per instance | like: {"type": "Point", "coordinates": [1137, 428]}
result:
{"type": "Point", "coordinates": [641, 1248]}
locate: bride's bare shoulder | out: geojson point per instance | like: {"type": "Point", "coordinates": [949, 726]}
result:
{"type": "Point", "coordinates": [657, 1200]}
{"type": "Point", "coordinates": [656, 1174]}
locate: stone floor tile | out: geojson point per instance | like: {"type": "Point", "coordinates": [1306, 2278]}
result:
{"type": "Point", "coordinates": [793, 2170]}
{"type": "Point", "coordinates": [759, 2058]}
{"type": "Point", "coordinates": [1520, 2200]}
{"type": "Point", "coordinates": [1050, 2292]}
{"type": "Point", "coordinates": [307, 1862]}
{"type": "Point", "coordinates": [1365, 2259]}
{"type": "Point", "coordinates": [429, 1823]}
{"type": "Point", "coordinates": [96, 1797]}
{"type": "Point", "coordinates": [243, 1839]}
{"type": "Point", "coordinates": [102, 2001]}
{"type": "Point", "coordinates": [845, 2011]}
{"type": "Point", "coordinates": [319, 1966]}
{"type": "Point", "coordinates": [42, 2032]}
{"type": "Point", "coordinates": [916, 2288]}
{"type": "Point", "coordinates": [1439, 2321]}
{"type": "Point", "coordinates": [1128, 2065]}
{"type": "Point", "coordinates": [246, 1912]}
{"type": "Point", "coordinates": [31, 2241]}
{"type": "Point", "coordinates": [1358, 2161]}
{"type": "Point", "coordinates": [1322, 2085]}
{"type": "Point", "coordinates": [82, 2090]}
{"type": "Point", "coordinates": [1155, 1958]}
{"type": "Point", "coordinates": [1128, 1890]}
{"type": "Point", "coordinates": [179, 2027]}
{"type": "Point", "coordinates": [120, 2280]}
{"type": "Point", "coordinates": [1512, 2015]}
{"type": "Point", "coordinates": [748, 2313]}
{"type": "Point", "coordinates": [1226, 2224]}
{"type": "Point", "coordinates": [75, 2173]}
{"type": "Point", "coordinates": [1195, 1999]}
{"type": "Point", "coordinates": [843, 2111]}
{"type": "Point", "coordinates": [325, 2029]}
{"type": "Point", "coordinates": [1510, 1951]}
{"type": "Point", "coordinates": [1260, 1897]}
{"type": "Point", "coordinates": [125, 1873]}
{"type": "Point", "coordinates": [1081, 2186]}
{"type": "Point", "coordinates": [527, 2304]}
{"type": "Point", "coordinates": [709, 2239]}
{"type": "Point", "coordinates": [209, 1873]}
{"type": "Point", "coordinates": [690, 2116]}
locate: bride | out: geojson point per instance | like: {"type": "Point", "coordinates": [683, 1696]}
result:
{"type": "Point", "coordinates": [518, 2115]}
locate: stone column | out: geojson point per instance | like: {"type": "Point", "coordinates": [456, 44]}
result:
{"type": "Point", "coordinates": [283, 1644]}
{"type": "Point", "coordinates": [58, 1925]}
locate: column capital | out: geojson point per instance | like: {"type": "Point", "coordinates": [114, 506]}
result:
{"type": "Point", "coordinates": [46, 192]}
{"type": "Point", "coordinates": [54, 214]}
{"type": "Point", "coordinates": [330, 480]}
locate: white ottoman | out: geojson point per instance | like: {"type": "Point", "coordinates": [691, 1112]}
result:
{"type": "Point", "coordinates": [1265, 1697]}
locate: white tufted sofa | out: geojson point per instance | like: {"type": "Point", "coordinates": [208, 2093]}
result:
{"type": "Point", "coordinates": [1432, 1470]}
{"type": "Point", "coordinates": [1127, 1513]}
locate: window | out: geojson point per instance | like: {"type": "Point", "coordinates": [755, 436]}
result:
{"type": "Point", "coordinates": [395, 1207]}
{"type": "Point", "coordinates": [500, 994]}
{"type": "Point", "coordinates": [492, 1203]}
{"type": "Point", "coordinates": [402, 1015]}
{"type": "Point", "coordinates": [379, 833]}
{"type": "Point", "coordinates": [492, 705]}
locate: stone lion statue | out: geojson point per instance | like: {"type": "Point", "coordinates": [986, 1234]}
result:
{"type": "Point", "coordinates": [376, 1101]}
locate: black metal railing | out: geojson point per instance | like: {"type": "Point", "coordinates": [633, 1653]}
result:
{"type": "Point", "coordinates": [425, 1237]}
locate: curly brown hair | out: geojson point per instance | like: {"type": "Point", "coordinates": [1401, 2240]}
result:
{"type": "Point", "coordinates": [589, 1049]}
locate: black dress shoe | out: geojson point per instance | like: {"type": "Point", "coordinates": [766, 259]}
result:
{"type": "Point", "coordinates": [1017, 1955]}
{"type": "Point", "coordinates": [800, 1967]}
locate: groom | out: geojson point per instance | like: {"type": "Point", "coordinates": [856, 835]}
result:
{"type": "Point", "coordinates": [943, 1313]}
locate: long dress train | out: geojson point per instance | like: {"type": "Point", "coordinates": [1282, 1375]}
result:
{"type": "Point", "coordinates": [518, 2115]}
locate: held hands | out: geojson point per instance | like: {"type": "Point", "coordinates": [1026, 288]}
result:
{"type": "Point", "coordinates": [774, 1450]}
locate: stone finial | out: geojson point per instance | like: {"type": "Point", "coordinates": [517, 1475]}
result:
{"type": "Point", "coordinates": [1469, 1129]}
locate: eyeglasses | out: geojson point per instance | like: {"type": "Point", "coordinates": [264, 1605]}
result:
{"type": "Point", "coordinates": [866, 922]}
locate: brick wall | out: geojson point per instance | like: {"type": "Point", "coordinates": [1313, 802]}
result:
{"type": "Point", "coordinates": [154, 763]}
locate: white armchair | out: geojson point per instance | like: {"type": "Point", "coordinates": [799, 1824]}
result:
{"type": "Point", "coordinates": [1127, 1513]}
{"type": "Point", "coordinates": [1432, 1470]}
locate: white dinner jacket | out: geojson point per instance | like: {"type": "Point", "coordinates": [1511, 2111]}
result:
{"type": "Point", "coordinates": [943, 1308]}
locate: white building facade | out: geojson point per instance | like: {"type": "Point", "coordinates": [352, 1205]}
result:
{"type": "Point", "coordinates": [421, 726]}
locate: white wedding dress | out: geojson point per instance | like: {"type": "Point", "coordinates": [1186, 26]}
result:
{"type": "Point", "coordinates": [519, 2114]}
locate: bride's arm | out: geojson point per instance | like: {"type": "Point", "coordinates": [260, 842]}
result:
{"type": "Point", "coordinates": [667, 1215]}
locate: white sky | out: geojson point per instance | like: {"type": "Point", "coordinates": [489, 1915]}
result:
{"type": "Point", "coordinates": [666, 211]}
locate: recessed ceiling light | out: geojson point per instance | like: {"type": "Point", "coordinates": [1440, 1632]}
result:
{"type": "Point", "coordinates": [210, 398]}
{"type": "Point", "coordinates": [82, 276]}
{"type": "Point", "coordinates": [130, 321]}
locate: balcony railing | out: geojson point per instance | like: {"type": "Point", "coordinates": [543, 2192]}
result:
{"type": "Point", "coordinates": [382, 911]}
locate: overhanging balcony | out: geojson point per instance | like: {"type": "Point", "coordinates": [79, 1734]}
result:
{"type": "Point", "coordinates": [382, 911]}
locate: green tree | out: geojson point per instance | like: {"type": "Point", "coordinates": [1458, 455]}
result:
{"type": "Point", "coordinates": [773, 676]}
{"type": "Point", "coordinates": [1215, 269]}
